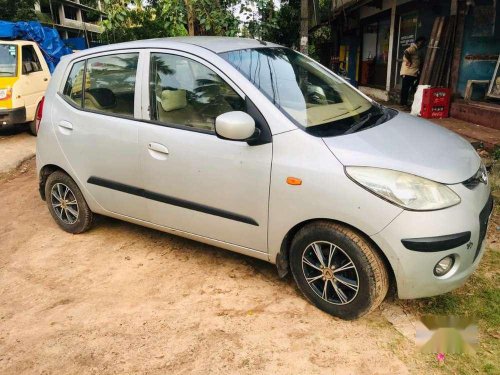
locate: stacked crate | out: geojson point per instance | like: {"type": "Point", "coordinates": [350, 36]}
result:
{"type": "Point", "coordinates": [436, 103]}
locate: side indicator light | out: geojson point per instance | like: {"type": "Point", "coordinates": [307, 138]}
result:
{"type": "Point", "coordinates": [293, 181]}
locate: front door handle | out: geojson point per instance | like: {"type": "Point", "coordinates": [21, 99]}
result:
{"type": "Point", "coordinates": [157, 151]}
{"type": "Point", "coordinates": [158, 148]}
{"type": "Point", "coordinates": [66, 125]}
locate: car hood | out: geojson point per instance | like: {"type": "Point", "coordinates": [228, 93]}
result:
{"type": "Point", "coordinates": [409, 144]}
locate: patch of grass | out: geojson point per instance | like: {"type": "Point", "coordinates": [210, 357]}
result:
{"type": "Point", "coordinates": [479, 297]}
{"type": "Point", "coordinates": [496, 153]}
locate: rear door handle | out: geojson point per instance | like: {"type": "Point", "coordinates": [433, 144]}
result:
{"type": "Point", "coordinates": [158, 148]}
{"type": "Point", "coordinates": [66, 125]}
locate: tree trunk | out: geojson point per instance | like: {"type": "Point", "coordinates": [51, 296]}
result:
{"type": "Point", "coordinates": [304, 26]}
{"type": "Point", "coordinates": [190, 17]}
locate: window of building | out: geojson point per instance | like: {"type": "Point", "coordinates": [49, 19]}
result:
{"type": "Point", "coordinates": [70, 12]}
{"type": "Point", "coordinates": [185, 92]}
{"type": "Point", "coordinates": [110, 83]}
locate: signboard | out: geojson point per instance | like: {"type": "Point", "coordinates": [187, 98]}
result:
{"type": "Point", "coordinates": [407, 32]}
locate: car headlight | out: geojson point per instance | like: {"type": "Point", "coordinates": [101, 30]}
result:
{"type": "Point", "coordinates": [404, 189]}
{"type": "Point", "coordinates": [5, 93]}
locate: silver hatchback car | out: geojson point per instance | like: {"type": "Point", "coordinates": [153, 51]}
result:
{"type": "Point", "coordinates": [255, 148]}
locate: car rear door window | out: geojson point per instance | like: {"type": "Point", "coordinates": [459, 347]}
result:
{"type": "Point", "coordinates": [187, 93]}
{"type": "Point", "coordinates": [110, 84]}
{"type": "Point", "coordinates": [73, 86]}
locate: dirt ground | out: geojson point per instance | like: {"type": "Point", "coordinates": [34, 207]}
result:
{"type": "Point", "coordinates": [125, 299]}
{"type": "Point", "coordinates": [16, 145]}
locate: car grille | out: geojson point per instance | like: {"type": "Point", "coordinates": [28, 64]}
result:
{"type": "Point", "coordinates": [484, 217]}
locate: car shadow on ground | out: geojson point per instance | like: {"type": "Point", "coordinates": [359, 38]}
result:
{"type": "Point", "coordinates": [196, 249]}
{"type": "Point", "coordinates": [13, 129]}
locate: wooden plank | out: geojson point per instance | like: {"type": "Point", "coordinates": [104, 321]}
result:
{"type": "Point", "coordinates": [442, 54]}
{"type": "Point", "coordinates": [457, 49]}
{"type": "Point", "coordinates": [435, 47]}
{"type": "Point", "coordinates": [425, 67]}
{"type": "Point", "coordinates": [449, 53]}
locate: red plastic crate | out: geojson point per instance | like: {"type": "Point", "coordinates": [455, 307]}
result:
{"type": "Point", "coordinates": [436, 103]}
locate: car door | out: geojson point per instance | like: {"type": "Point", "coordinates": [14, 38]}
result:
{"type": "Point", "coordinates": [194, 181]}
{"type": "Point", "coordinates": [34, 78]}
{"type": "Point", "coordinates": [94, 119]}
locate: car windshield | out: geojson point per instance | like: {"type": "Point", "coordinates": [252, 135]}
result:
{"type": "Point", "coordinates": [8, 60]}
{"type": "Point", "coordinates": [308, 94]}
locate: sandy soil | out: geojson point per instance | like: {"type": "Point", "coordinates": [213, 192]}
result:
{"type": "Point", "coordinates": [126, 299]}
{"type": "Point", "coordinates": [16, 145]}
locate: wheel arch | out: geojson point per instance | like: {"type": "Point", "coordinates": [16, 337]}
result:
{"type": "Point", "coordinates": [45, 172]}
{"type": "Point", "coordinates": [282, 258]}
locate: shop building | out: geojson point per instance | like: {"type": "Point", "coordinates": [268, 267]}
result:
{"type": "Point", "coordinates": [371, 36]}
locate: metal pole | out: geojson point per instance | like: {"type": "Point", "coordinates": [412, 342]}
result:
{"type": "Point", "coordinates": [392, 31]}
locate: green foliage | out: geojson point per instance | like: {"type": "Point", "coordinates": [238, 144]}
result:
{"type": "Point", "coordinates": [287, 21]}
{"type": "Point", "coordinates": [215, 18]}
{"type": "Point", "coordinates": [18, 10]}
{"type": "Point", "coordinates": [259, 19]}
{"type": "Point", "coordinates": [163, 18]}
{"type": "Point", "coordinates": [496, 153]}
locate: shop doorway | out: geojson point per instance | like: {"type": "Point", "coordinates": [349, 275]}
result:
{"type": "Point", "coordinates": [407, 33]}
{"type": "Point", "coordinates": [375, 52]}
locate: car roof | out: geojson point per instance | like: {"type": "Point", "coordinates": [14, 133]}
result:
{"type": "Point", "coordinates": [215, 44]}
{"type": "Point", "coordinates": [17, 42]}
{"type": "Point", "coordinates": [219, 44]}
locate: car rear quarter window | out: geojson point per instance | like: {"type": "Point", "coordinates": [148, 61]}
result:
{"type": "Point", "coordinates": [110, 84]}
{"type": "Point", "coordinates": [73, 86]}
{"type": "Point", "coordinates": [31, 63]}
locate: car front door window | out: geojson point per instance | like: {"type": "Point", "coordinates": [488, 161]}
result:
{"type": "Point", "coordinates": [185, 93]}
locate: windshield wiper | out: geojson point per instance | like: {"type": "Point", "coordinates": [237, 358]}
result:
{"type": "Point", "coordinates": [382, 115]}
{"type": "Point", "coordinates": [360, 124]}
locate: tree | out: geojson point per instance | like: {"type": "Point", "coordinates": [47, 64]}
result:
{"type": "Point", "coordinates": [304, 26]}
{"type": "Point", "coordinates": [190, 17]}
{"type": "Point", "coordinates": [162, 18]}
{"type": "Point", "coordinates": [18, 10]}
{"type": "Point", "coordinates": [287, 24]}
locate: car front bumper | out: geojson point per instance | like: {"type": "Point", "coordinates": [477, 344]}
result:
{"type": "Point", "coordinates": [12, 116]}
{"type": "Point", "coordinates": [414, 269]}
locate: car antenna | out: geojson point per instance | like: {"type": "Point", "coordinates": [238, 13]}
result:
{"type": "Point", "coordinates": [262, 42]}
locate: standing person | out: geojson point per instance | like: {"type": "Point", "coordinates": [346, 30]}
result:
{"type": "Point", "coordinates": [410, 69]}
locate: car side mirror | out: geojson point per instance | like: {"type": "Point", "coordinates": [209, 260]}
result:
{"type": "Point", "coordinates": [27, 68]}
{"type": "Point", "coordinates": [235, 126]}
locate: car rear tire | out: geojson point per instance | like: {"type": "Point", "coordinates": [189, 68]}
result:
{"type": "Point", "coordinates": [67, 204]}
{"type": "Point", "coordinates": [338, 270]}
{"type": "Point", "coordinates": [32, 124]}
{"type": "Point", "coordinates": [32, 127]}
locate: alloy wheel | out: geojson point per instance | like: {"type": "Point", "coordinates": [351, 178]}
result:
{"type": "Point", "coordinates": [330, 272]}
{"type": "Point", "coordinates": [64, 203]}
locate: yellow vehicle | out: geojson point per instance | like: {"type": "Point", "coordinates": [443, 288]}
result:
{"type": "Point", "coordinates": [24, 77]}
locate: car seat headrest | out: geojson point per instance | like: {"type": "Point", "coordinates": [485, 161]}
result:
{"type": "Point", "coordinates": [173, 99]}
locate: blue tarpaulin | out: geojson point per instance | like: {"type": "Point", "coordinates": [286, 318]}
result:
{"type": "Point", "coordinates": [47, 39]}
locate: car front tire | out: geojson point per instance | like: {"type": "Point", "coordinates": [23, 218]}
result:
{"type": "Point", "coordinates": [338, 270]}
{"type": "Point", "coordinates": [67, 204]}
